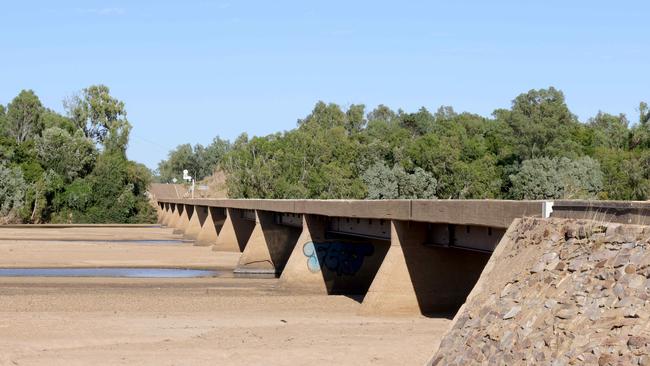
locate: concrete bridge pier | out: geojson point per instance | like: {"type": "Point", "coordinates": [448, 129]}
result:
{"type": "Point", "coordinates": [421, 277]}
{"type": "Point", "coordinates": [174, 215]}
{"type": "Point", "coordinates": [212, 220]}
{"type": "Point", "coordinates": [269, 245]}
{"type": "Point", "coordinates": [159, 212]}
{"type": "Point", "coordinates": [297, 274]}
{"type": "Point", "coordinates": [183, 219]}
{"type": "Point", "coordinates": [171, 215]}
{"type": "Point", "coordinates": [194, 225]}
{"type": "Point", "coordinates": [236, 230]}
{"type": "Point", "coordinates": [166, 214]}
{"type": "Point", "coordinates": [327, 261]}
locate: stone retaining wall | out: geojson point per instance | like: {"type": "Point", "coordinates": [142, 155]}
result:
{"type": "Point", "coordinates": [558, 292]}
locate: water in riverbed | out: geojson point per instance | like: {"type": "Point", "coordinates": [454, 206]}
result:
{"type": "Point", "coordinates": [111, 272]}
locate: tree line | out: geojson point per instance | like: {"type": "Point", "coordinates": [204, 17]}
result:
{"type": "Point", "coordinates": [70, 168]}
{"type": "Point", "coordinates": [536, 149]}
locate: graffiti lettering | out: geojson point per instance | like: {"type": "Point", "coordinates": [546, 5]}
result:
{"type": "Point", "coordinates": [341, 258]}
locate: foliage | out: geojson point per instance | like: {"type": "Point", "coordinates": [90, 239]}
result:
{"type": "Point", "coordinates": [23, 120]}
{"type": "Point", "coordinates": [12, 191]}
{"type": "Point", "coordinates": [70, 168]}
{"type": "Point", "coordinates": [550, 178]}
{"type": "Point", "coordinates": [536, 148]}
{"type": "Point", "coordinates": [392, 183]}
{"type": "Point", "coordinates": [99, 115]}
{"type": "Point", "coordinates": [543, 124]}
{"type": "Point", "coordinates": [200, 161]}
{"type": "Point", "coordinates": [316, 160]}
{"type": "Point", "coordinates": [68, 156]}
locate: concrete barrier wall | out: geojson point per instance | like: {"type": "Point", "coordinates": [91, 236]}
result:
{"type": "Point", "coordinates": [492, 213]}
{"type": "Point", "coordinates": [623, 212]}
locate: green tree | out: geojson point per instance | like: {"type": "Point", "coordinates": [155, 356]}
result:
{"type": "Point", "coordinates": [542, 124]}
{"type": "Point", "coordinates": [610, 131]}
{"type": "Point", "coordinates": [418, 123]}
{"type": "Point", "coordinates": [355, 119]}
{"type": "Point", "coordinates": [3, 121]}
{"type": "Point", "coordinates": [12, 192]}
{"type": "Point", "coordinates": [52, 119]}
{"type": "Point", "coordinates": [552, 178]}
{"type": "Point", "coordinates": [179, 159]}
{"type": "Point", "coordinates": [641, 132]}
{"type": "Point", "coordinates": [626, 174]}
{"type": "Point", "coordinates": [395, 183]}
{"type": "Point", "coordinates": [69, 156]}
{"type": "Point", "coordinates": [644, 113]}
{"type": "Point", "coordinates": [23, 119]}
{"type": "Point", "coordinates": [118, 187]}
{"type": "Point", "coordinates": [100, 116]}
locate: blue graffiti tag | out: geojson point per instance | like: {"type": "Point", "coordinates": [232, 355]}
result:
{"type": "Point", "coordinates": [341, 258]}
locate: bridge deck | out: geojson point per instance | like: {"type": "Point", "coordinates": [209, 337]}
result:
{"type": "Point", "coordinates": [495, 213]}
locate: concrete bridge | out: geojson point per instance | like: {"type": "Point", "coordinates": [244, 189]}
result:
{"type": "Point", "coordinates": [399, 256]}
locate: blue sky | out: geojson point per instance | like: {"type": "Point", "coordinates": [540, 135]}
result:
{"type": "Point", "coordinates": [192, 70]}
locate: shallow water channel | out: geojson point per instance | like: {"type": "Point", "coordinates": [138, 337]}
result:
{"type": "Point", "coordinates": [111, 272]}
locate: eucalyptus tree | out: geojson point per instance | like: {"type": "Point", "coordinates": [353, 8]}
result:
{"type": "Point", "coordinates": [23, 118]}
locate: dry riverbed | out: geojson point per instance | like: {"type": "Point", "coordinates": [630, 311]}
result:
{"type": "Point", "coordinates": [196, 321]}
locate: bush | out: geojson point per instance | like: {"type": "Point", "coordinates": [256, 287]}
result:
{"type": "Point", "coordinates": [12, 192]}
{"type": "Point", "coordinates": [553, 178]}
{"type": "Point", "coordinates": [386, 183]}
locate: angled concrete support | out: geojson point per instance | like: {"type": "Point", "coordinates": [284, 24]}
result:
{"type": "Point", "coordinates": [183, 219]}
{"type": "Point", "coordinates": [235, 232]}
{"type": "Point", "coordinates": [268, 247]}
{"type": "Point", "coordinates": [166, 214]}
{"type": "Point", "coordinates": [174, 215]}
{"type": "Point", "coordinates": [327, 262]}
{"type": "Point", "coordinates": [419, 279]}
{"type": "Point", "coordinates": [159, 212]}
{"type": "Point", "coordinates": [194, 225]}
{"type": "Point", "coordinates": [297, 274]}
{"type": "Point", "coordinates": [211, 220]}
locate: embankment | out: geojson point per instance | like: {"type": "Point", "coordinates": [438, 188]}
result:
{"type": "Point", "coordinates": [558, 292]}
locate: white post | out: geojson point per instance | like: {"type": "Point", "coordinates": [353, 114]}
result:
{"type": "Point", "coordinates": [547, 209]}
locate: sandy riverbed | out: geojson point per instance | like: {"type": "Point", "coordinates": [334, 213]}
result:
{"type": "Point", "coordinates": [202, 321]}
